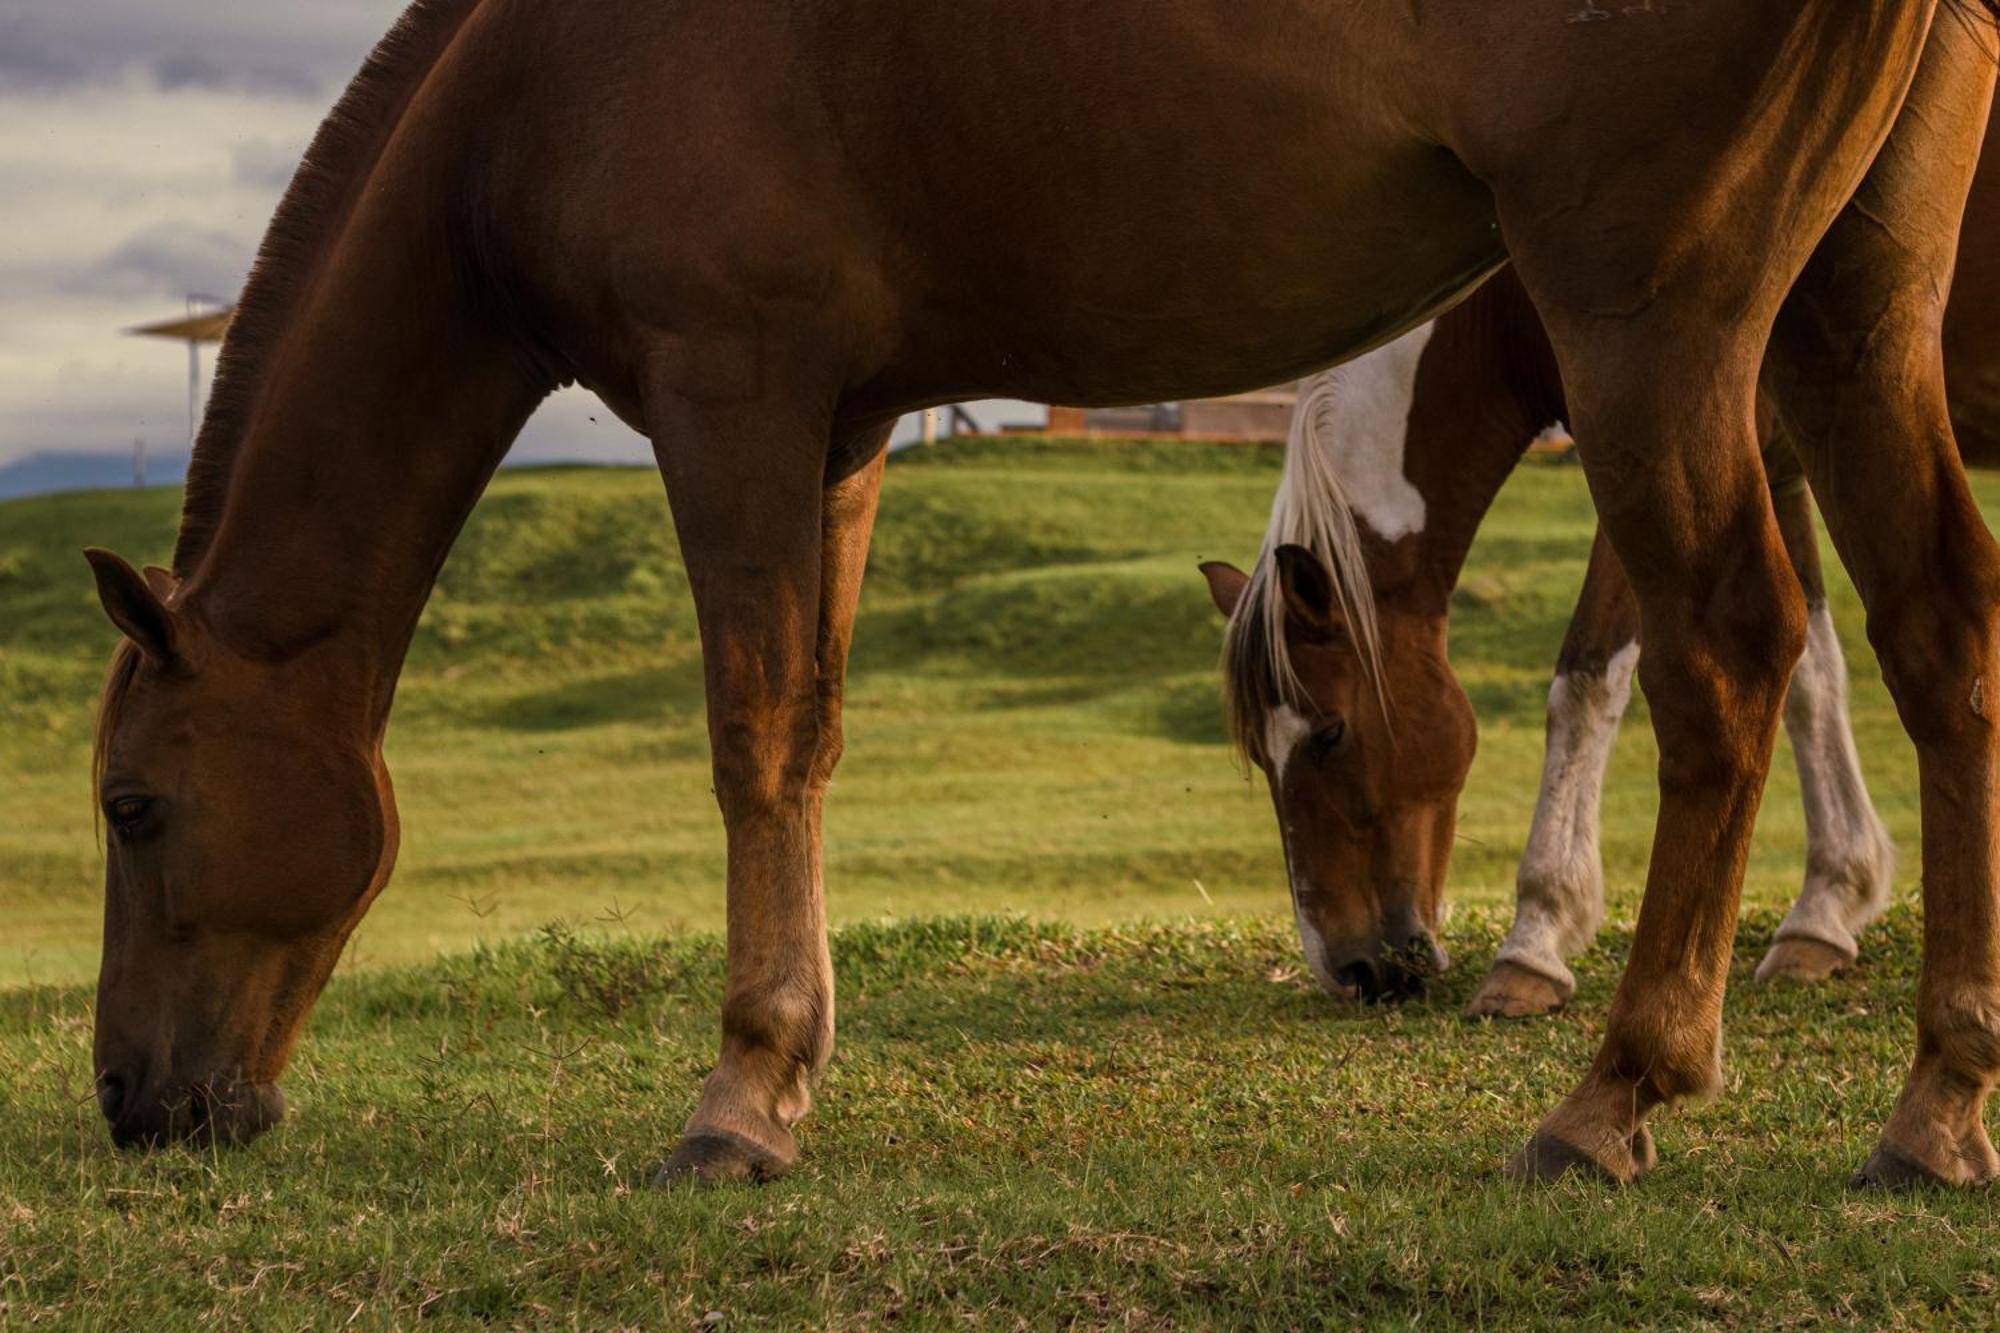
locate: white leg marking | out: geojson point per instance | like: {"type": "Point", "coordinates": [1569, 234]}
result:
{"type": "Point", "coordinates": [1559, 892]}
{"type": "Point", "coordinates": [1284, 728]}
{"type": "Point", "coordinates": [1366, 419]}
{"type": "Point", "coordinates": [1850, 861]}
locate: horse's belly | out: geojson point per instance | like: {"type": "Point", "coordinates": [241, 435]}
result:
{"type": "Point", "coordinates": [1243, 196]}
{"type": "Point", "coordinates": [1199, 302]}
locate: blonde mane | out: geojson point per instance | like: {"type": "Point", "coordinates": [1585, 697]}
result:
{"type": "Point", "coordinates": [1311, 509]}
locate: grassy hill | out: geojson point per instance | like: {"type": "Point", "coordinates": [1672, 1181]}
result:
{"type": "Point", "coordinates": [1033, 722]}
{"type": "Point", "coordinates": [1124, 1107]}
{"type": "Point", "coordinates": [1032, 717]}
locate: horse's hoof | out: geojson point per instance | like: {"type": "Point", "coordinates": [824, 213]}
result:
{"type": "Point", "coordinates": [1799, 959]}
{"type": "Point", "coordinates": [1891, 1168]}
{"type": "Point", "coordinates": [1512, 991]}
{"type": "Point", "coordinates": [716, 1156]}
{"type": "Point", "coordinates": [1548, 1158]}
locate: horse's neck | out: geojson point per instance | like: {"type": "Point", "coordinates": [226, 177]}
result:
{"type": "Point", "coordinates": [1490, 386]}
{"type": "Point", "coordinates": [388, 400]}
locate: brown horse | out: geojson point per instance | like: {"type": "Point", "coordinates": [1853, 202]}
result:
{"type": "Point", "coordinates": [1399, 454]}
{"type": "Point", "coordinates": [760, 231]}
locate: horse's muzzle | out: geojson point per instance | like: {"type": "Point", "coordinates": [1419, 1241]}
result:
{"type": "Point", "coordinates": [222, 1111]}
{"type": "Point", "coordinates": [1394, 970]}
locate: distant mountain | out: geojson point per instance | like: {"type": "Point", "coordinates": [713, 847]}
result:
{"type": "Point", "coordinates": [41, 474]}
{"type": "Point", "coordinates": [37, 474]}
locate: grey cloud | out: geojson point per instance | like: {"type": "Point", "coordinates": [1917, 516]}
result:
{"type": "Point", "coordinates": [267, 164]}
{"type": "Point", "coordinates": [175, 72]}
{"type": "Point", "coordinates": [168, 260]}
{"type": "Point", "coordinates": [31, 62]}
{"type": "Point", "coordinates": [296, 48]}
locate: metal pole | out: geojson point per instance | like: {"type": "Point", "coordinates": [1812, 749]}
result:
{"type": "Point", "coordinates": [930, 425]}
{"type": "Point", "coordinates": [139, 462]}
{"type": "Point", "coordinates": [194, 386]}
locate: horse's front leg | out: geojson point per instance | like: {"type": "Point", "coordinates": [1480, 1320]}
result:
{"type": "Point", "coordinates": [774, 554]}
{"type": "Point", "coordinates": [1559, 890]}
{"type": "Point", "coordinates": [1680, 490]}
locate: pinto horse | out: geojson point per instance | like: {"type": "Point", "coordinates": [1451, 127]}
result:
{"type": "Point", "coordinates": [1405, 449]}
{"type": "Point", "coordinates": [762, 231]}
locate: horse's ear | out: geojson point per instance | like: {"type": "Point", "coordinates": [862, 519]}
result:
{"type": "Point", "coordinates": [164, 582]}
{"type": "Point", "coordinates": [1307, 586]}
{"type": "Point", "coordinates": [1225, 584]}
{"type": "Point", "coordinates": [133, 606]}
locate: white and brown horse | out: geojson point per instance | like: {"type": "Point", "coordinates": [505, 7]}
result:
{"type": "Point", "coordinates": [1393, 461]}
{"type": "Point", "coordinates": [762, 230]}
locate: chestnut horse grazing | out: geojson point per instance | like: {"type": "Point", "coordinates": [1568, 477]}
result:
{"type": "Point", "coordinates": [1394, 460]}
{"type": "Point", "coordinates": [760, 231]}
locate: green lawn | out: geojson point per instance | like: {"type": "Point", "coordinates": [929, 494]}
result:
{"type": "Point", "coordinates": [1028, 1125]}
{"type": "Point", "coordinates": [1081, 1078]}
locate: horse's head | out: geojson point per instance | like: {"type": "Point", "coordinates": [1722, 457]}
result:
{"type": "Point", "coordinates": [249, 822]}
{"type": "Point", "coordinates": [1367, 799]}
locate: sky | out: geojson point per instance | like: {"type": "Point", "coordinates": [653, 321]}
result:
{"type": "Point", "coordinates": [143, 147]}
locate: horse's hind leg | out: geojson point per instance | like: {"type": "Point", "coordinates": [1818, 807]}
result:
{"type": "Point", "coordinates": [1856, 363]}
{"type": "Point", "coordinates": [1559, 890]}
{"type": "Point", "coordinates": [775, 556]}
{"type": "Point", "coordinates": [1850, 861]}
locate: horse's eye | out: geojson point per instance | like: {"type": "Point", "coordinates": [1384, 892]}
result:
{"type": "Point", "coordinates": [1327, 740]}
{"type": "Point", "coordinates": [130, 816]}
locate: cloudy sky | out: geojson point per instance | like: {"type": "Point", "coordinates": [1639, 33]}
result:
{"type": "Point", "coordinates": [143, 146]}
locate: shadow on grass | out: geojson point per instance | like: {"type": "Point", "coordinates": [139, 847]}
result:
{"type": "Point", "coordinates": [665, 694]}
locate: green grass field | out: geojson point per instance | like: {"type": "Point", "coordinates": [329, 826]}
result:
{"type": "Point", "coordinates": [1081, 1078]}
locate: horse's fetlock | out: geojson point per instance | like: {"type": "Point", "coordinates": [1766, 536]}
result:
{"type": "Point", "coordinates": [1676, 1060]}
{"type": "Point", "coordinates": [792, 1021]}
{"type": "Point", "coordinates": [1963, 1027]}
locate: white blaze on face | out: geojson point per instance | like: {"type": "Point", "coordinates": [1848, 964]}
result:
{"type": "Point", "coordinates": [1284, 728]}
{"type": "Point", "coordinates": [1368, 417]}
{"type": "Point", "coordinates": [1559, 892]}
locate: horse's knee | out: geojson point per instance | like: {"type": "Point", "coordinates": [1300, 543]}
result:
{"type": "Point", "coordinates": [1717, 676]}
{"type": "Point", "coordinates": [765, 754]}
{"type": "Point", "coordinates": [831, 741]}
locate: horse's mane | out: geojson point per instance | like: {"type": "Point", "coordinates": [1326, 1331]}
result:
{"type": "Point", "coordinates": [322, 194]}
{"type": "Point", "coordinates": [1311, 509]}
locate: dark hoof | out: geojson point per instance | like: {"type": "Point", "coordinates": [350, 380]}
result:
{"type": "Point", "coordinates": [715, 1156]}
{"type": "Point", "coordinates": [1548, 1159]}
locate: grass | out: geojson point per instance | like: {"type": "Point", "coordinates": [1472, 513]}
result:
{"type": "Point", "coordinates": [1029, 1124]}
{"type": "Point", "coordinates": [1080, 1081]}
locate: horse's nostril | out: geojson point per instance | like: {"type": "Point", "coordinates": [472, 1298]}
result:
{"type": "Point", "coordinates": [1362, 976]}
{"type": "Point", "coordinates": [111, 1093]}
{"type": "Point", "coordinates": [1417, 953]}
